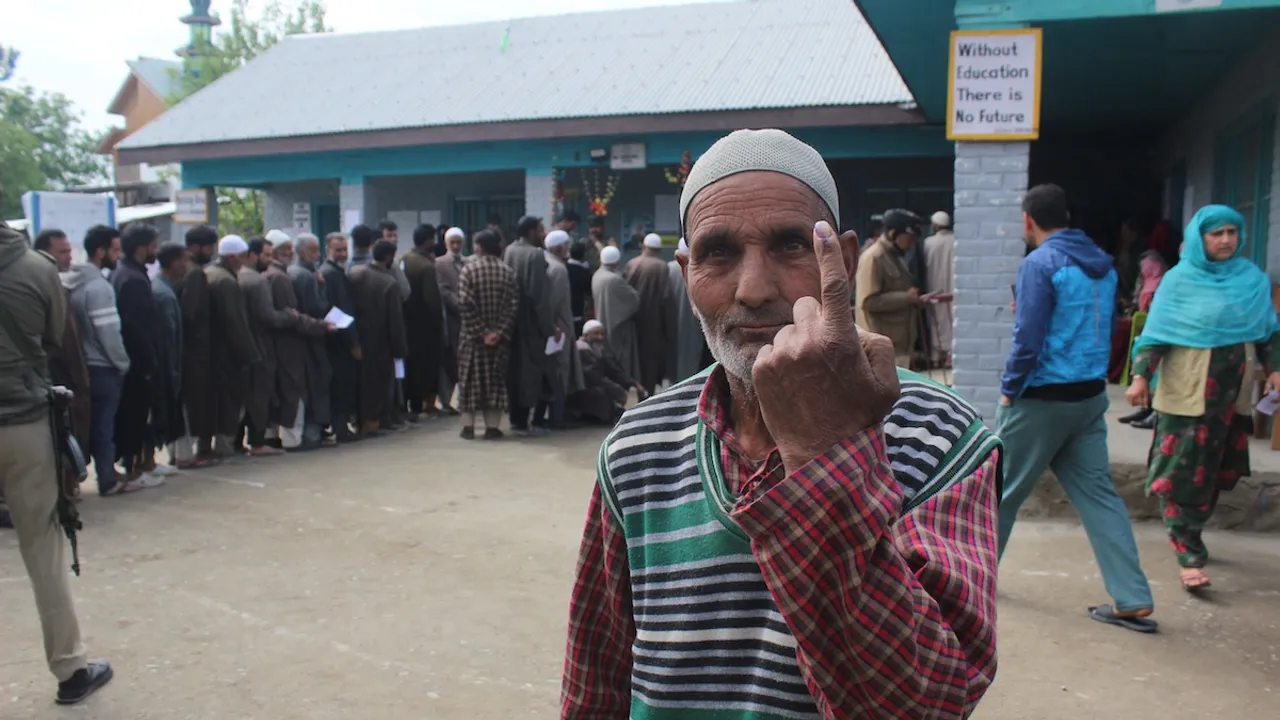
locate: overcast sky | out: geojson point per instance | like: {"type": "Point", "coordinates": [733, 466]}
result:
{"type": "Point", "coordinates": [79, 47]}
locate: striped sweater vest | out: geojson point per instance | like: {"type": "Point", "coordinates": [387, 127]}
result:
{"type": "Point", "coordinates": [710, 642]}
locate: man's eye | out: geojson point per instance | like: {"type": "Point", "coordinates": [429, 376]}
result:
{"type": "Point", "coordinates": [795, 246]}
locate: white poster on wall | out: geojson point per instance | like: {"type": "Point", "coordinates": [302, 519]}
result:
{"type": "Point", "coordinates": [431, 217]}
{"type": "Point", "coordinates": [666, 214]}
{"type": "Point", "coordinates": [350, 219]}
{"type": "Point", "coordinates": [302, 217]}
{"type": "Point", "coordinates": [994, 85]}
{"type": "Point", "coordinates": [72, 213]}
{"type": "Point", "coordinates": [191, 206]}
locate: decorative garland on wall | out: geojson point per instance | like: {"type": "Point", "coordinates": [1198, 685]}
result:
{"type": "Point", "coordinates": [681, 175]}
{"type": "Point", "coordinates": [598, 194]}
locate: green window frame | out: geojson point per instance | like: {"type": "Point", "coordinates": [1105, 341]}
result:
{"type": "Point", "coordinates": [1243, 163]}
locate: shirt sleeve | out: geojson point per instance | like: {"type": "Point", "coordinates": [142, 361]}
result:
{"type": "Point", "coordinates": [892, 618]}
{"type": "Point", "coordinates": [1034, 297]}
{"type": "Point", "coordinates": [597, 665]}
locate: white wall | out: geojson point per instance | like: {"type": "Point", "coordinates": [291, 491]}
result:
{"type": "Point", "coordinates": [1255, 80]}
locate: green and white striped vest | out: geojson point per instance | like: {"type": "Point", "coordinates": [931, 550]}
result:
{"type": "Point", "coordinates": [710, 642]}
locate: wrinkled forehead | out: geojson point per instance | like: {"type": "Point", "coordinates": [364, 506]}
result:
{"type": "Point", "coordinates": [756, 200]}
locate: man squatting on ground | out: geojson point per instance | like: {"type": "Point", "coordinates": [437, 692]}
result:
{"type": "Point", "coordinates": [801, 530]}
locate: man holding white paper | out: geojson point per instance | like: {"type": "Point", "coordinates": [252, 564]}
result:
{"type": "Point", "coordinates": [311, 302]}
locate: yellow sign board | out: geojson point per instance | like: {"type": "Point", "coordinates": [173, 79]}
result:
{"type": "Point", "coordinates": [993, 91]}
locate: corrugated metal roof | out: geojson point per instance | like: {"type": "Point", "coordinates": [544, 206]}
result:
{"type": "Point", "coordinates": [706, 57]}
{"type": "Point", "coordinates": [158, 74]}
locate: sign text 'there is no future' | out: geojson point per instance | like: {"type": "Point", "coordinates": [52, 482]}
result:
{"type": "Point", "coordinates": [994, 88]}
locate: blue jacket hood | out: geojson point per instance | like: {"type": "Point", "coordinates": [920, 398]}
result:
{"type": "Point", "coordinates": [1077, 246]}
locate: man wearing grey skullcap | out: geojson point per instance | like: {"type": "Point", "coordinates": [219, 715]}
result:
{"type": "Point", "coordinates": [800, 506]}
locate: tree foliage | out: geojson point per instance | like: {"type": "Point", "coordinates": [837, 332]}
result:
{"type": "Point", "coordinates": [243, 37]}
{"type": "Point", "coordinates": [43, 146]}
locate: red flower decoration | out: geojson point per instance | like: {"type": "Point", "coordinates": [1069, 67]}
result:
{"type": "Point", "coordinates": [1170, 510]}
{"type": "Point", "coordinates": [1168, 445]}
{"type": "Point", "coordinates": [1210, 388]}
{"type": "Point", "coordinates": [1202, 434]}
{"type": "Point", "coordinates": [1199, 478]}
{"type": "Point", "coordinates": [1161, 486]}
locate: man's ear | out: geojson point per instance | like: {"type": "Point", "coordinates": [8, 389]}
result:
{"type": "Point", "coordinates": [682, 257]}
{"type": "Point", "coordinates": [849, 248]}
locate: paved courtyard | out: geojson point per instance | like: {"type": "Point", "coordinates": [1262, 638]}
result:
{"type": "Point", "coordinates": [421, 576]}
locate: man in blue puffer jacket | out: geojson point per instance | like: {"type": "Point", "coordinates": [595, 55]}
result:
{"type": "Point", "coordinates": [1054, 402]}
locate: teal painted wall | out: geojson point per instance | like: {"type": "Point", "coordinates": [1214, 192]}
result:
{"type": "Point", "coordinates": [538, 156]}
{"type": "Point", "coordinates": [986, 14]}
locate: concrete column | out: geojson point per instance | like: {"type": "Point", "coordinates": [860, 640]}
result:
{"type": "Point", "coordinates": [178, 231]}
{"type": "Point", "coordinates": [357, 194]}
{"type": "Point", "coordinates": [537, 194]}
{"type": "Point", "coordinates": [990, 180]}
{"type": "Point", "coordinates": [277, 210]}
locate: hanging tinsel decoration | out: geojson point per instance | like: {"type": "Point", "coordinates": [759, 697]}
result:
{"type": "Point", "coordinates": [681, 175]}
{"type": "Point", "coordinates": [599, 195]}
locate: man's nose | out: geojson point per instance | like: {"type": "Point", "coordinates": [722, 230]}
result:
{"type": "Point", "coordinates": [756, 283]}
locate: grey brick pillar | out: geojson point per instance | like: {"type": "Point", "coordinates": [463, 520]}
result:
{"type": "Point", "coordinates": [356, 194]}
{"type": "Point", "coordinates": [990, 180]}
{"type": "Point", "coordinates": [277, 210]}
{"type": "Point", "coordinates": [537, 194]}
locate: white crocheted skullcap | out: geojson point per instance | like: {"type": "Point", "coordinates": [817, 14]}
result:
{"type": "Point", "coordinates": [769, 150]}
{"type": "Point", "coordinates": [610, 256]}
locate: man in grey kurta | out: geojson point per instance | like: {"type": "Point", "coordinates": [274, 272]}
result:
{"type": "Point", "coordinates": [568, 368]}
{"type": "Point", "coordinates": [264, 322]}
{"type": "Point", "coordinates": [448, 270]}
{"type": "Point", "coordinates": [530, 375]}
{"type": "Point", "coordinates": [616, 305]}
{"type": "Point", "coordinates": [655, 322]}
{"type": "Point", "coordinates": [312, 304]}
{"type": "Point", "coordinates": [685, 358]}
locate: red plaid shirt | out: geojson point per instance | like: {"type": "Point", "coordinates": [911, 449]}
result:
{"type": "Point", "coordinates": [892, 618]}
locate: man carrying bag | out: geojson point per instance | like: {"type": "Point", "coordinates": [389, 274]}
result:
{"type": "Point", "coordinates": [32, 318]}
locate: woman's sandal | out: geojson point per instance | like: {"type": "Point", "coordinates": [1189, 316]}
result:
{"type": "Point", "coordinates": [122, 487]}
{"type": "Point", "coordinates": [1194, 580]}
{"type": "Point", "coordinates": [1136, 621]}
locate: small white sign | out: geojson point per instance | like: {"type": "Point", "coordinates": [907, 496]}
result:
{"type": "Point", "coordinates": [1177, 5]}
{"type": "Point", "coordinates": [627, 156]}
{"type": "Point", "coordinates": [302, 216]}
{"type": "Point", "coordinates": [994, 88]}
{"type": "Point", "coordinates": [191, 206]}
{"type": "Point", "coordinates": [350, 219]}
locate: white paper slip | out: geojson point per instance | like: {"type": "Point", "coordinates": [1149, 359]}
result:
{"type": "Point", "coordinates": [340, 320]}
{"type": "Point", "coordinates": [1269, 404]}
{"type": "Point", "coordinates": [554, 346]}
{"type": "Point", "coordinates": [399, 369]}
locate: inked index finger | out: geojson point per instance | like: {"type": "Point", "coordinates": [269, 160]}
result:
{"type": "Point", "coordinates": [835, 277]}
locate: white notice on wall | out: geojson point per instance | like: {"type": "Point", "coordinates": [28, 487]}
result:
{"type": "Point", "coordinates": [191, 206]}
{"type": "Point", "coordinates": [1176, 5]}
{"type": "Point", "coordinates": [350, 219]}
{"type": "Point", "coordinates": [994, 88]}
{"type": "Point", "coordinates": [72, 213]}
{"type": "Point", "coordinates": [302, 216]}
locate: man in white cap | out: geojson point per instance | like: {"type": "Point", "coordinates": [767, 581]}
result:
{"type": "Point", "coordinates": [559, 297]}
{"type": "Point", "coordinates": [685, 355]}
{"type": "Point", "coordinates": [231, 341]}
{"type": "Point", "coordinates": [448, 270]}
{"type": "Point", "coordinates": [604, 384]}
{"type": "Point", "coordinates": [802, 506]}
{"type": "Point", "coordinates": [616, 304]}
{"type": "Point", "coordinates": [655, 321]}
{"type": "Point", "coordinates": [940, 260]}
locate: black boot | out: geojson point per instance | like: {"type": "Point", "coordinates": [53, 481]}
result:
{"type": "Point", "coordinates": [1145, 423]}
{"type": "Point", "coordinates": [1139, 414]}
{"type": "Point", "coordinates": [84, 683]}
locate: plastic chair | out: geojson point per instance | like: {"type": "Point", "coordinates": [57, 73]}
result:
{"type": "Point", "coordinates": [1139, 320]}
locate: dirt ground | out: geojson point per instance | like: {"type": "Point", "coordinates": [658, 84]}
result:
{"type": "Point", "coordinates": [421, 576]}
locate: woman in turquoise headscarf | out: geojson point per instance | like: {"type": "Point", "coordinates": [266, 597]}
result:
{"type": "Point", "coordinates": [1208, 309]}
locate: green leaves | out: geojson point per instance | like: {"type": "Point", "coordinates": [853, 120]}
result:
{"type": "Point", "coordinates": [43, 146]}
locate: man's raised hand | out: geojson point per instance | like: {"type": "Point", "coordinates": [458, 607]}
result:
{"type": "Point", "coordinates": [821, 381]}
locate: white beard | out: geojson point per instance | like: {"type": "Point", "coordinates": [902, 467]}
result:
{"type": "Point", "coordinates": [737, 361]}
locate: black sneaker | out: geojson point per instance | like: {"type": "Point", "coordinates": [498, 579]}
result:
{"type": "Point", "coordinates": [468, 433]}
{"type": "Point", "coordinates": [84, 683]}
{"type": "Point", "coordinates": [493, 434]}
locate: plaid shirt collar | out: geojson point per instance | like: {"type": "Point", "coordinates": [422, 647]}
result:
{"type": "Point", "coordinates": [713, 410]}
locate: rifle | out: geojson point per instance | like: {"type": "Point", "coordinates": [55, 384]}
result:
{"type": "Point", "coordinates": [71, 467]}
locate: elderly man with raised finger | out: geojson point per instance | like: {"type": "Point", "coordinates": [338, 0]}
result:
{"type": "Point", "coordinates": [801, 530]}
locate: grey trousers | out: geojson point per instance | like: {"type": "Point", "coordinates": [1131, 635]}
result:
{"type": "Point", "coordinates": [30, 487]}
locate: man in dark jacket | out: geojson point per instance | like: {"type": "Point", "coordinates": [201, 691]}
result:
{"type": "Point", "coordinates": [424, 324]}
{"type": "Point", "coordinates": [197, 351]}
{"type": "Point", "coordinates": [579, 286]}
{"type": "Point", "coordinates": [380, 322]}
{"type": "Point", "coordinates": [137, 308]}
{"type": "Point", "coordinates": [33, 311]}
{"type": "Point", "coordinates": [167, 421]}
{"type": "Point", "coordinates": [343, 347]}
{"type": "Point", "coordinates": [312, 304]}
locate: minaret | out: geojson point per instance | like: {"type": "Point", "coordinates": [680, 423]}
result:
{"type": "Point", "coordinates": [201, 24]}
